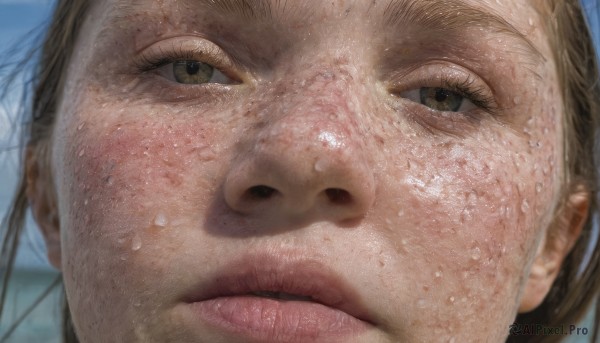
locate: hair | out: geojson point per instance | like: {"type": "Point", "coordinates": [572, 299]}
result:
{"type": "Point", "coordinates": [578, 282]}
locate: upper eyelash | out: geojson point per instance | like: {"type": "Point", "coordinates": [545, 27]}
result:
{"type": "Point", "coordinates": [150, 61]}
{"type": "Point", "coordinates": [476, 95]}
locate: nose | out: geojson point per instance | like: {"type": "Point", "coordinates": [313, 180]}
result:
{"type": "Point", "coordinates": [307, 161]}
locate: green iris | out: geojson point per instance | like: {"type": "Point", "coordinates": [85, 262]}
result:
{"type": "Point", "coordinates": [192, 72]}
{"type": "Point", "coordinates": [441, 99]}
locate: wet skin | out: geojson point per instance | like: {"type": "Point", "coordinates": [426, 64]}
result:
{"type": "Point", "coordinates": [314, 148]}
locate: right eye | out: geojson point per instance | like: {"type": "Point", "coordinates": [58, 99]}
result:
{"type": "Point", "coordinates": [192, 72]}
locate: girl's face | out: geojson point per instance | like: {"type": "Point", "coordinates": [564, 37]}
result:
{"type": "Point", "coordinates": [339, 171]}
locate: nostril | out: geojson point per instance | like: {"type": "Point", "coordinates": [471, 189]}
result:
{"type": "Point", "coordinates": [260, 192]}
{"type": "Point", "coordinates": [338, 196]}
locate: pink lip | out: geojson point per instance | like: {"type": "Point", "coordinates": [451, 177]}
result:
{"type": "Point", "coordinates": [228, 303]}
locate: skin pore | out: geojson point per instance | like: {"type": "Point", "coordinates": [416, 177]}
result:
{"type": "Point", "coordinates": [313, 151]}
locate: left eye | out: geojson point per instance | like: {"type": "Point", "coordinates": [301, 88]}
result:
{"type": "Point", "coordinates": [439, 99]}
{"type": "Point", "coordinates": [195, 73]}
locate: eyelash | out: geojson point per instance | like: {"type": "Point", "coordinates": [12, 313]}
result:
{"type": "Point", "coordinates": [151, 61]}
{"type": "Point", "coordinates": [155, 60]}
{"type": "Point", "coordinates": [467, 89]}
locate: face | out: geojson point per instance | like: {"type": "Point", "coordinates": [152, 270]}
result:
{"type": "Point", "coordinates": [340, 171]}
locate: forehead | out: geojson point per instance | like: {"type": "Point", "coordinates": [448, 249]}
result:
{"type": "Point", "coordinates": [516, 20]}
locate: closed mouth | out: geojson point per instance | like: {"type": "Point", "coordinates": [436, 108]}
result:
{"type": "Point", "coordinates": [275, 299]}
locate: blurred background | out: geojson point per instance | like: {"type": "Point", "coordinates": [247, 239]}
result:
{"type": "Point", "coordinates": [20, 22]}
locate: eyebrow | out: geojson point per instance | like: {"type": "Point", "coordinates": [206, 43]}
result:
{"type": "Point", "coordinates": [444, 16]}
{"type": "Point", "coordinates": [453, 16]}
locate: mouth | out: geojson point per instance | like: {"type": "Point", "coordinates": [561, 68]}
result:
{"type": "Point", "coordinates": [280, 299]}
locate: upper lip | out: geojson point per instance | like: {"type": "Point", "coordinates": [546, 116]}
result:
{"type": "Point", "coordinates": [282, 273]}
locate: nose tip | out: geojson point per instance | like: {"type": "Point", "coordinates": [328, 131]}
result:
{"type": "Point", "coordinates": [326, 178]}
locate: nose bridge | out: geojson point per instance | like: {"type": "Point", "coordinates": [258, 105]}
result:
{"type": "Point", "coordinates": [316, 124]}
{"type": "Point", "coordinates": [308, 152]}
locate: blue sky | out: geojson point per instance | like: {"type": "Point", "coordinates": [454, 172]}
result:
{"type": "Point", "coordinates": [17, 19]}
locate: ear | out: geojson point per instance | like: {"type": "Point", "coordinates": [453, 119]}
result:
{"type": "Point", "coordinates": [556, 245]}
{"type": "Point", "coordinates": [42, 200]}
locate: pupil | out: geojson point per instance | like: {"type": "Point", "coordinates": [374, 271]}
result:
{"type": "Point", "coordinates": [192, 67]}
{"type": "Point", "coordinates": [441, 95]}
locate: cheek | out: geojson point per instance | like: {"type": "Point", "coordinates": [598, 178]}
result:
{"type": "Point", "coordinates": [464, 216]}
{"type": "Point", "coordinates": [127, 181]}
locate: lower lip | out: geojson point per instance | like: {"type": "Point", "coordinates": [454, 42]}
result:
{"type": "Point", "coordinates": [271, 320]}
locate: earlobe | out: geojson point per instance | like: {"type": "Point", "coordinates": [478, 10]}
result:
{"type": "Point", "coordinates": [556, 245]}
{"type": "Point", "coordinates": [42, 201]}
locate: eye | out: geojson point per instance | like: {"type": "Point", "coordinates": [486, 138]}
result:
{"type": "Point", "coordinates": [439, 99]}
{"type": "Point", "coordinates": [191, 72]}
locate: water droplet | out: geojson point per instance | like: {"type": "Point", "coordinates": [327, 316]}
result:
{"type": "Point", "coordinates": [538, 187]}
{"type": "Point", "coordinates": [206, 154]}
{"type": "Point", "coordinates": [80, 126]}
{"type": "Point", "coordinates": [451, 299]}
{"type": "Point", "coordinates": [517, 100]}
{"type": "Point", "coordinates": [123, 258]}
{"type": "Point", "coordinates": [421, 303]}
{"type": "Point", "coordinates": [476, 254]}
{"type": "Point", "coordinates": [85, 202]}
{"type": "Point", "coordinates": [530, 21]}
{"type": "Point", "coordinates": [136, 243]}
{"type": "Point", "coordinates": [404, 242]}
{"type": "Point", "coordinates": [452, 340]}
{"type": "Point", "coordinates": [438, 274]}
{"type": "Point", "coordinates": [161, 220]}
{"type": "Point", "coordinates": [81, 152]}
{"type": "Point", "coordinates": [137, 303]}
{"type": "Point", "coordinates": [320, 165]}
{"type": "Point", "coordinates": [400, 213]}
{"type": "Point", "coordinates": [524, 206]}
